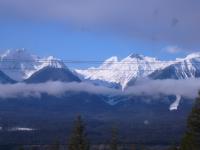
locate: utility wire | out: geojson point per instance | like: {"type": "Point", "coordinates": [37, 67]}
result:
{"type": "Point", "coordinates": [87, 69]}
{"type": "Point", "coordinates": [90, 61]}
{"type": "Point", "coordinates": [3, 66]}
{"type": "Point", "coordinates": [16, 69]}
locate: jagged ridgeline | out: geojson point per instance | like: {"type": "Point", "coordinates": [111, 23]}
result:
{"type": "Point", "coordinates": [25, 117]}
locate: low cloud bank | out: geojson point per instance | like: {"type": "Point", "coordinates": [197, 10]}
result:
{"type": "Point", "coordinates": [51, 88]}
{"type": "Point", "coordinates": [187, 88]}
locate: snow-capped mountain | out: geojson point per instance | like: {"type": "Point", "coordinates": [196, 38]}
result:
{"type": "Point", "coordinates": [123, 71]}
{"type": "Point", "coordinates": [52, 74]}
{"type": "Point", "coordinates": [182, 68]}
{"type": "Point", "coordinates": [19, 64]}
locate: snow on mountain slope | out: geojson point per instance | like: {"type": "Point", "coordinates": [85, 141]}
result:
{"type": "Point", "coordinates": [175, 104]}
{"type": "Point", "coordinates": [189, 66]}
{"type": "Point", "coordinates": [121, 72]}
{"type": "Point", "coordinates": [19, 64]}
{"type": "Point", "coordinates": [50, 61]}
{"type": "Point", "coordinates": [52, 74]}
{"type": "Point", "coordinates": [182, 68]}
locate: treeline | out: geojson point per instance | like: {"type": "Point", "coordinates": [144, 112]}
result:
{"type": "Point", "coordinates": [191, 139]}
{"type": "Point", "coordinates": [79, 139]}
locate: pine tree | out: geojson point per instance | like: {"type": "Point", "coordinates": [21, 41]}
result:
{"type": "Point", "coordinates": [21, 148]}
{"type": "Point", "coordinates": [191, 140]}
{"type": "Point", "coordinates": [78, 139]}
{"type": "Point", "coordinates": [133, 147]}
{"type": "Point", "coordinates": [35, 148]}
{"type": "Point", "coordinates": [114, 143]}
{"type": "Point", "coordinates": [55, 145]}
{"type": "Point", "coordinates": [173, 148]}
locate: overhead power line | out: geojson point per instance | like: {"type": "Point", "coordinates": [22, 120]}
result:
{"type": "Point", "coordinates": [97, 69]}
{"type": "Point", "coordinates": [92, 61]}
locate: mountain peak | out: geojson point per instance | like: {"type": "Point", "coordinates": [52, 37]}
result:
{"type": "Point", "coordinates": [112, 59]}
{"type": "Point", "coordinates": [135, 55]}
{"type": "Point", "coordinates": [52, 58]}
{"type": "Point", "coordinates": [21, 50]}
{"type": "Point", "coordinates": [193, 55]}
{"type": "Point", "coordinates": [18, 56]}
{"type": "Point", "coordinates": [53, 62]}
{"type": "Point", "coordinates": [19, 64]}
{"type": "Point", "coordinates": [189, 57]}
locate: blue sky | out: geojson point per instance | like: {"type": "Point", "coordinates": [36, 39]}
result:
{"type": "Point", "coordinates": [70, 43]}
{"type": "Point", "coordinates": [99, 29]}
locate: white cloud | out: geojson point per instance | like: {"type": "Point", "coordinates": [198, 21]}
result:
{"type": "Point", "coordinates": [187, 88]}
{"type": "Point", "coordinates": [172, 49]}
{"type": "Point", "coordinates": [51, 88]}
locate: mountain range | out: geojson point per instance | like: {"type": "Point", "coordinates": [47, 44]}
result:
{"type": "Point", "coordinates": [19, 66]}
{"type": "Point", "coordinates": [124, 72]}
{"type": "Point", "coordinates": [136, 115]}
